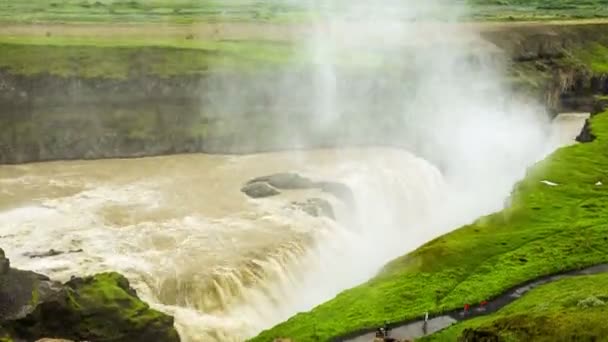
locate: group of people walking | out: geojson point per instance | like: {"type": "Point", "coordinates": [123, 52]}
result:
{"type": "Point", "coordinates": [383, 333]}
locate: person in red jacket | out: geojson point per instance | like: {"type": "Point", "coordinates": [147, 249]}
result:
{"type": "Point", "coordinates": [482, 305]}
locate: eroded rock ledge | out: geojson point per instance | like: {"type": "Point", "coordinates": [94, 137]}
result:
{"type": "Point", "coordinates": [267, 186]}
{"type": "Point", "coordinates": [102, 307]}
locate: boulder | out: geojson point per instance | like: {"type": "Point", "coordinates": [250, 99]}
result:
{"type": "Point", "coordinates": [267, 186]}
{"type": "Point", "coordinates": [285, 181]}
{"type": "Point", "coordinates": [259, 190]}
{"type": "Point", "coordinates": [98, 308]}
{"type": "Point", "coordinates": [21, 291]}
{"type": "Point", "coordinates": [103, 307]}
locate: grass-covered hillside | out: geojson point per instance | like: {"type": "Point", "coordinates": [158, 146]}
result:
{"type": "Point", "coordinates": [546, 229]}
{"type": "Point", "coordinates": [572, 309]}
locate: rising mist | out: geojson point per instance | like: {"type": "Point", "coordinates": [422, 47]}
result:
{"type": "Point", "coordinates": [401, 74]}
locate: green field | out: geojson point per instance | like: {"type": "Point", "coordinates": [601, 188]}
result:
{"type": "Point", "coordinates": [535, 10]}
{"type": "Point", "coordinates": [189, 11]}
{"type": "Point", "coordinates": [546, 229]}
{"type": "Point", "coordinates": [568, 310]}
{"type": "Point", "coordinates": [133, 11]}
{"type": "Point", "coordinates": [124, 58]}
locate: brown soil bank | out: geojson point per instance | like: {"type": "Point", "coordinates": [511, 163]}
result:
{"type": "Point", "coordinates": [83, 101]}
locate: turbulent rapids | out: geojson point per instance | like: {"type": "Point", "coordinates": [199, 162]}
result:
{"type": "Point", "coordinates": [228, 266]}
{"type": "Point", "coordinates": [224, 264]}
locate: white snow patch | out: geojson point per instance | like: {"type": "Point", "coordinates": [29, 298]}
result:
{"type": "Point", "coordinates": [549, 183]}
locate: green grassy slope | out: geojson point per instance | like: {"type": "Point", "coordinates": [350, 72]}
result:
{"type": "Point", "coordinates": [572, 309]}
{"type": "Point", "coordinates": [545, 230]}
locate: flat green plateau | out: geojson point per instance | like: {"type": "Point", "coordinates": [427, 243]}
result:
{"type": "Point", "coordinates": [545, 230]}
{"type": "Point", "coordinates": [572, 309]}
{"type": "Point", "coordinates": [189, 11]}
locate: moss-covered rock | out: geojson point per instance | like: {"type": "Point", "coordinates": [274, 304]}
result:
{"type": "Point", "coordinates": [97, 308]}
{"type": "Point", "coordinates": [101, 307]}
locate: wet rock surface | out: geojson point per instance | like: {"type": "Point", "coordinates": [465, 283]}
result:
{"type": "Point", "coordinates": [285, 181]}
{"type": "Point", "coordinates": [259, 190]}
{"type": "Point", "coordinates": [51, 253]}
{"type": "Point", "coordinates": [102, 307]}
{"type": "Point", "coordinates": [293, 181]}
{"type": "Point", "coordinates": [21, 291]}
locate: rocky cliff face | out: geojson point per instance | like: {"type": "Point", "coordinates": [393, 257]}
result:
{"type": "Point", "coordinates": [50, 116]}
{"type": "Point", "coordinates": [98, 308]}
{"type": "Point", "coordinates": [557, 61]}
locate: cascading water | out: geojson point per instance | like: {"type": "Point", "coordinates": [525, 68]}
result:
{"type": "Point", "coordinates": [224, 265]}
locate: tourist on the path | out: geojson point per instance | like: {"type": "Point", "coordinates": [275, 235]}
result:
{"type": "Point", "coordinates": [466, 309]}
{"type": "Point", "coordinates": [482, 305]}
{"type": "Point", "coordinates": [425, 325]}
{"type": "Point", "coordinates": [381, 333]}
{"type": "Point", "coordinates": [387, 329]}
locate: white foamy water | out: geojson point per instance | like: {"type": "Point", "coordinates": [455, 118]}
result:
{"type": "Point", "coordinates": [193, 245]}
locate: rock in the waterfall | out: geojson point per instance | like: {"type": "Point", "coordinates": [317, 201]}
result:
{"type": "Point", "coordinates": [285, 181]}
{"type": "Point", "coordinates": [259, 190]}
{"type": "Point", "coordinates": [293, 181]}
{"type": "Point", "coordinates": [51, 253]}
{"type": "Point", "coordinates": [316, 207]}
{"type": "Point", "coordinates": [98, 308]}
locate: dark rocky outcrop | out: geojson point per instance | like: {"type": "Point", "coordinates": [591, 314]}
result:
{"type": "Point", "coordinates": [286, 181]}
{"type": "Point", "coordinates": [294, 181]}
{"type": "Point", "coordinates": [586, 135]}
{"type": "Point", "coordinates": [102, 307]}
{"type": "Point", "coordinates": [21, 291]}
{"type": "Point", "coordinates": [259, 190]}
{"type": "Point", "coordinates": [51, 253]}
